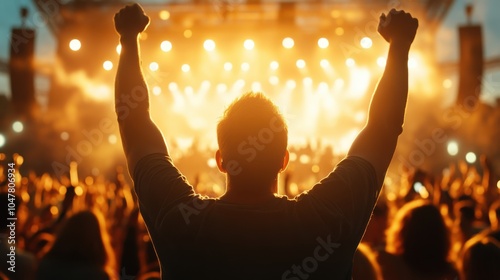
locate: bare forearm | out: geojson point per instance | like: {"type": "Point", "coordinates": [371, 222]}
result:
{"type": "Point", "coordinates": [387, 108]}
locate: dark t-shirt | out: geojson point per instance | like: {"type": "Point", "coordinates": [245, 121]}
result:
{"type": "Point", "coordinates": [313, 236]}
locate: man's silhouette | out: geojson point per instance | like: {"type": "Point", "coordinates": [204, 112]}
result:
{"type": "Point", "coordinates": [250, 232]}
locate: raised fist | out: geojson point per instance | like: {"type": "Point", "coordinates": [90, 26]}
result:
{"type": "Point", "coordinates": [398, 26]}
{"type": "Point", "coordinates": [131, 20]}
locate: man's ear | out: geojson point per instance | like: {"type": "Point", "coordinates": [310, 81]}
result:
{"type": "Point", "coordinates": [218, 159]}
{"type": "Point", "coordinates": [286, 159]}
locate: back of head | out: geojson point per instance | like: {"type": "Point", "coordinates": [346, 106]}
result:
{"type": "Point", "coordinates": [82, 238]}
{"type": "Point", "coordinates": [252, 137]}
{"type": "Point", "coordinates": [481, 259]}
{"type": "Point", "coordinates": [420, 235]}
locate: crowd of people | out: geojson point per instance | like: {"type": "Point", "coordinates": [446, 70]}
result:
{"type": "Point", "coordinates": [433, 227]}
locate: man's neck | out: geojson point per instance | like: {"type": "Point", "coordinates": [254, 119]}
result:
{"type": "Point", "coordinates": [239, 197]}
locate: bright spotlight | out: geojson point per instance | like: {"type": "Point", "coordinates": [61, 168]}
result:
{"type": "Point", "coordinates": [185, 68]}
{"type": "Point", "coordinates": [249, 44]}
{"type": "Point", "coordinates": [187, 33]}
{"type": "Point", "coordinates": [498, 183]}
{"type": "Point", "coordinates": [112, 139]}
{"type": "Point", "coordinates": [164, 14]}
{"type": "Point", "coordinates": [324, 63]}
{"type": "Point", "coordinates": [107, 65]}
{"type": "Point", "coordinates": [291, 84]}
{"type": "Point", "coordinates": [2, 140]}
{"type": "Point", "coordinates": [381, 61]}
{"type": "Point", "coordinates": [173, 86]}
{"type": "Point", "coordinates": [274, 65]}
{"type": "Point", "coordinates": [307, 81]}
{"type": "Point", "coordinates": [323, 43]}
{"type": "Point", "coordinates": [245, 66]}
{"type": "Point", "coordinates": [447, 83]}
{"type": "Point", "coordinates": [156, 90]}
{"type": "Point", "coordinates": [75, 45]}
{"type": "Point", "coordinates": [350, 62]}
{"type": "Point", "coordinates": [274, 80]}
{"type": "Point", "coordinates": [228, 66]}
{"type": "Point", "coordinates": [452, 148]}
{"type": "Point", "coordinates": [470, 157]}
{"type": "Point", "coordinates": [256, 87]}
{"type": "Point", "coordinates": [221, 88]}
{"type": "Point", "coordinates": [64, 136]}
{"type": "Point", "coordinates": [209, 45]}
{"type": "Point", "coordinates": [366, 43]}
{"type": "Point", "coordinates": [300, 63]}
{"type": "Point", "coordinates": [17, 126]}
{"type": "Point", "coordinates": [119, 49]}
{"type": "Point", "coordinates": [153, 66]}
{"type": "Point", "coordinates": [166, 46]}
{"type": "Point", "coordinates": [288, 43]}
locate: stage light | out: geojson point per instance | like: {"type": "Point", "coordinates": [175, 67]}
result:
{"type": "Point", "coordinates": [185, 68]}
{"type": "Point", "coordinates": [119, 49]}
{"type": "Point", "coordinates": [166, 46]}
{"type": "Point", "coordinates": [256, 87]}
{"type": "Point", "coordinates": [300, 63]}
{"type": "Point", "coordinates": [274, 65]}
{"type": "Point", "coordinates": [291, 84]}
{"type": "Point", "coordinates": [381, 61]}
{"type": "Point", "coordinates": [75, 45]}
{"type": "Point", "coordinates": [288, 43]}
{"type": "Point", "coordinates": [307, 81]}
{"type": "Point", "coordinates": [245, 66]}
{"type": "Point", "coordinates": [335, 13]}
{"type": "Point", "coordinates": [339, 31]}
{"type": "Point", "coordinates": [221, 88]}
{"type": "Point", "coordinates": [470, 157]}
{"type": "Point", "coordinates": [189, 90]}
{"type": "Point", "coordinates": [164, 14]}
{"type": "Point", "coordinates": [156, 90]}
{"type": "Point", "coordinates": [498, 184]}
{"type": "Point", "coordinates": [304, 159]}
{"type": "Point", "coordinates": [107, 65]}
{"type": "Point", "coordinates": [212, 163]}
{"type": "Point", "coordinates": [350, 62]}
{"type": "Point", "coordinates": [188, 33]}
{"type": "Point", "coordinates": [153, 66]}
{"type": "Point", "coordinates": [339, 83]}
{"type": "Point", "coordinates": [172, 86]}
{"type": "Point", "coordinates": [323, 43]}
{"type": "Point", "coordinates": [64, 136]}
{"type": "Point", "coordinates": [18, 127]}
{"type": "Point", "coordinates": [274, 80]}
{"type": "Point", "coordinates": [112, 139]}
{"type": "Point", "coordinates": [228, 66]}
{"type": "Point", "coordinates": [249, 44]}
{"type": "Point", "coordinates": [452, 148]}
{"type": "Point", "coordinates": [2, 140]}
{"type": "Point", "coordinates": [323, 88]}
{"type": "Point", "coordinates": [447, 83]}
{"type": "Point", "coordinates": [366, 43]}
{"type": "Point", "coordinates": [209, 45]}
{"type": "Point", "coordinates": [324, 63]}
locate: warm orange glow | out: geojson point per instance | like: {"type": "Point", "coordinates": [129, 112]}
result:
{"type": "Point", "coordinates": [323, 43]}
{"type": "Point", "coordinates": [209, 45]}
{"type": "Point", "coordinates": [300, 63]}
{"type": "Point", "coordinates": [164, 15]}
{"type": "Point", "coordinates": [107, 65]}
{"type": "Point", "coordinates": [185, 68]}
{"type": "Point", "coordinates": [366, 43]}
{"type": "Point", "coordinates": [274, 65]}
{"type": "Point", "coordinates": [249, 44]}
{"type": "Point", "coordinates": [166, 46]}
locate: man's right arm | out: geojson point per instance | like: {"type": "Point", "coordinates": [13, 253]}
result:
{"type": "Point", "coordinates": [376, 143]}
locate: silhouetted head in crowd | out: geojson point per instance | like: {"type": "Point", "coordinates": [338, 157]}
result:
{"type": "Point", "coordinates": [375, 231]}
{"type": "Point", "coordinates": [83, 239]}
{"type": "Point", "coordinates": [419, 235]}
{"type": "Point", "coordinates": [481, 259]}
{"type": "Point", "coordinates": [253, 138]}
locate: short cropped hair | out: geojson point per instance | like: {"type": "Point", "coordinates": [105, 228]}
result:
{"type": "Point", "coordinates": [253, 137]}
